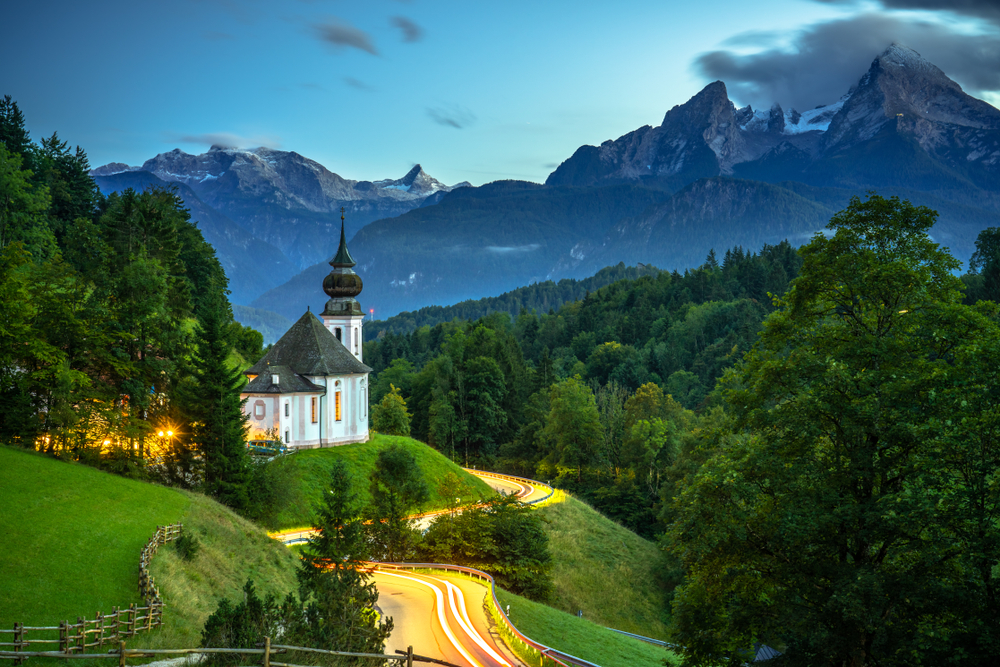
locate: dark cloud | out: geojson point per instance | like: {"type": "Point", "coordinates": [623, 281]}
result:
{"type": "Point", "coordinates": [411, 31]}
{"type": "Point", "coordinates": [455, 116]}
{"type": "Point", "coordinates": [226, 139]}
{"type": "Point", "coordinates": [987, 9]}
{"type": "Point", "coordinates": [358, 84]}
{"type": "Point", "coordinates": [823, 61]}
{"type": "Point", "coordinates": [340, 34]}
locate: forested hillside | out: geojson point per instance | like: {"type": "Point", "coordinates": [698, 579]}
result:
{"type": "Point", "coordinates": [118, 338]}
{"type": "Point", "coordinates": [482, 390]}
{"type": "Point", "coordinates": [540, 297]}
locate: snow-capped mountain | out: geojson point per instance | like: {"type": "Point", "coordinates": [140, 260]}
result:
{"type": "Point", "coordinates": [286, 199]}
{"type": "Point", "coordinates": [902, 94]}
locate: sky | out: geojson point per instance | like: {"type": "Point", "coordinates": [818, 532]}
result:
{"type": "Point", "coordinates": [473, 91]}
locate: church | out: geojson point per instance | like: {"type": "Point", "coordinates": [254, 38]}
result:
{"type": "Point", "coordinates": [311, 388]}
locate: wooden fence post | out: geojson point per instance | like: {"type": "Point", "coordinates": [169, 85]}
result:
{"type": "Point", "coordinates": [121, 654]}
{"type": "Point", "coordinates": [131, 619]}
{"type": "Point", "coordinates": [81, 639]}
{"type": "Point", "coordinates": [64, 636]}
{"type": "Point", "coordinates": [267, 652]}
{"type": "Point", "coordinates": [117, 626]}
{"type": "Point", "coordinates": [409, 656]}
{"type": "Point", "coordinates": [100, 629]}
{"type": "Point", "coordinates": [18, 640]}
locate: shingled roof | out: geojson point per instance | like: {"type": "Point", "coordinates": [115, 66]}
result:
{"type": "Point", "coordinates": [308, 348]}
{"type": "Point", "coordinates": [289, 382]}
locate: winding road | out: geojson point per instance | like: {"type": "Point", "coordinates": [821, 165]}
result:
{"type": "Point", "coordinates": [444, 615]}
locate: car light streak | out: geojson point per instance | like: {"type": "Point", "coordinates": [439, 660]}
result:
{"type": "Point", "coordinates": [466, 623]}
{"type": "Point", "coordinates": [441, 617]}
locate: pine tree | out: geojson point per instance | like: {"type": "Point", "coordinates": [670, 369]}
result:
{"type": "Point", "coordinates": [338, 598]}
{"type": "Point", "coordinates": [218, 424]}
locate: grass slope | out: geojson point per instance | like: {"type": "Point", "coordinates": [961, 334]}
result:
{"type": "Point", "coordinates": [581, 637]}
{"type": "Point", "coordinates": [72, 537]}
{"type": "Point", "coordinates": [231, 550]}
{"type": "Point", "coordinates": [612, 574]}
{"type": "Point", "coordinates": [303, 476]}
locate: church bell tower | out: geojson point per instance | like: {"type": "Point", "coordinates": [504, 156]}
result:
{"type": "Point", "coordinates": [342, 315]}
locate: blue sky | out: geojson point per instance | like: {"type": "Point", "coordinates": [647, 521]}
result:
{"type": "Point", "coordinates": [473, 91]}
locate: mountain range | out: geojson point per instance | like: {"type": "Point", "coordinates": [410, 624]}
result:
{"type": "Point", "coordinates": [711, 175]}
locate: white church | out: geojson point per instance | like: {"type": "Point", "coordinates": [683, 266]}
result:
{"type": "Point", "coordinates": [312, 387]}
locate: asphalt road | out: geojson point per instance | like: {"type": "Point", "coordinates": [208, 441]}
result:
{"type": "Point", "coordinates": [441, 616]}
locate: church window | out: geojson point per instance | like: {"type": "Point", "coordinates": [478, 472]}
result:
{"type": "Point", "coordinates": [286, 437]}
{"type": "Point", "coordinates": [313, 409]}
{"type": "Point", "coordinates": [364, 401]}
{"type": "Point", "coordinates": [286, 408]}
{"type": "Point", "coordinates": [336, 405]}
{"type": "Point", "coordinates": [336, 332]}
{"type": "Point", "coordinates": [259, 410]}
{"type": "Point", "coordinates": [355, 341]}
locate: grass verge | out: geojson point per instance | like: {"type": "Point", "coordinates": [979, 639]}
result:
{"type": "Point", "coordinates": [303, 476]}
{"type": "Point", "coordinates": [579, 636]}
{"type": "Point", "coordinates": [612, 574]}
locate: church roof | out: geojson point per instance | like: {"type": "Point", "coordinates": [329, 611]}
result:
{"type": "Point", "coordinates": [308, 348]}
{"type": "Point", "coordinates": [289, 382]}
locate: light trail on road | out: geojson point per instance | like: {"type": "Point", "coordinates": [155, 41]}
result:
{"type": "Point", "coordinates": [429, 611]}
{"type": "Point", "coordinates": [449, 610]}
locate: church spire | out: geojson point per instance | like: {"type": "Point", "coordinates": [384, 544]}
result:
{"type": "Point", "coordinates": [342, 284]}
{"type": "Point", "coordinates": [343, 259]}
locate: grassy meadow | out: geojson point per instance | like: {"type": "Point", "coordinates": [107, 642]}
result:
{"type": "Point", "coordinates": [72, 537]}
{"type": "Point", "coordinates": [606, 570]}
{"type": "Point", "coordinates": [581, 637]}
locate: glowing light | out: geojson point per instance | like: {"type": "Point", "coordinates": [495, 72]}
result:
{"type": "Point", "coordinates": [107, 442]}
{"type": "Point", "coordinates": [161, 434]}
{"type": "Point", "coordinates": [170, 434]}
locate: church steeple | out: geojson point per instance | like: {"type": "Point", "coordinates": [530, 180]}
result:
{"type": "Point", "coordinates": [342, 284]}
{"type": "Point", "coordinates": [343, 257]}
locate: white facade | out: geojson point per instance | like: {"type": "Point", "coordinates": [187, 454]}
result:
{"type": "Point", "coordinates": [307, 420]}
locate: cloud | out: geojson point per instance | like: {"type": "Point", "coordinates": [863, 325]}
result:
{"type": "Point", "coordinates": [358, 84]}
{"type": "Point", "coordinates": [340, 34]}
{"type": "Point", "coordinates": [455, 116]}
{"type": "Point", "coordinates": [411, 31]}
{"type": "Point", "coordinates": [226, 139]}
{"type": "Point", "coordinates": [819, 63]}
{"type": "Point", "coordinates": [504, 249]}
{"type": "Point", "coordinates": [987, 9]}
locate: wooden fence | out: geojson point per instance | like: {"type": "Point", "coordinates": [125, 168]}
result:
{"type": "Point", "coordinates": [147, 590]}
{"type": "Point", "coordinates": [72, 639]}
{"type": "Point", "coordinates": [407, 657]}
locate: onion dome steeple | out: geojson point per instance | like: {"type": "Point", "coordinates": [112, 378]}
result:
{"type": "Point", "coordinates": [342, 284]}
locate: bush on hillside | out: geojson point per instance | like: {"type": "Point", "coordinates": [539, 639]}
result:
{"type": "Point", "coordinates": [390, 417]}
{"type": "Point", "coordinates": [503, 537]}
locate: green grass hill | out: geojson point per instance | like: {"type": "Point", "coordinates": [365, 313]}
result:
{"type": "Point", "coordinates": [609, 572]}
{"type": "Point", "coordinates": [72, 538]}
{"type": "Point", "coordinates": [581, 637]}
{"type": "Point", "coordinates": [302, 477]}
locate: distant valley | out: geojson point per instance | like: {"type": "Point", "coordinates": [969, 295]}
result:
{"type": "Point", "coordinates": [711, 175]}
